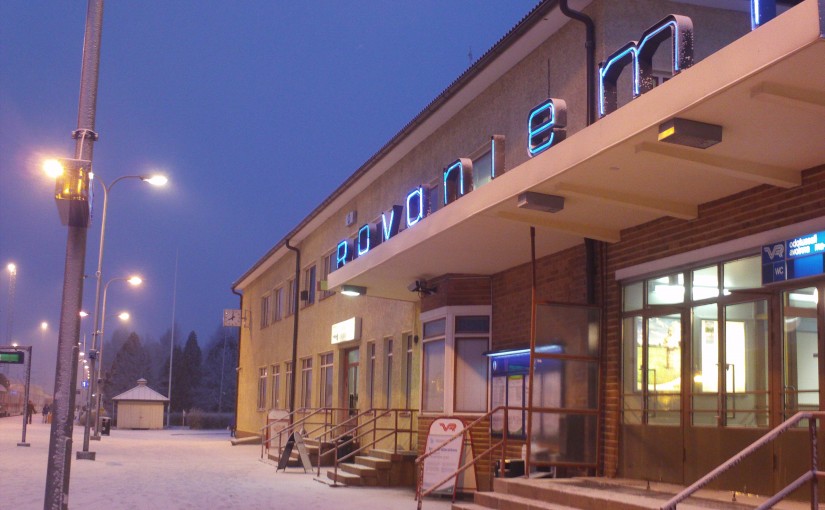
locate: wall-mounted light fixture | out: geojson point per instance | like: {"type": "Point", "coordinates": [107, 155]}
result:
{"type": "Point", "coordinates": [540, 202]}
{"type": "Point", "coordinates": [353, 290]}
{"type": "Point", "coordinates": [690, 133]}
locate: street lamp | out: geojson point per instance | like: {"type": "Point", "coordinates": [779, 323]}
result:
{"type": "Point", "coordinates": [12, 269]}
{"type": "Point", "coordinates": [134, 281]}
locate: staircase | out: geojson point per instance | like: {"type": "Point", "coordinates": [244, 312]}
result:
{"type": "Point", "coordinates": [313, 446]}
{"type": "Point", "coordinates": [381, 468]}
{"type": "Point", "coordinates": [603, 494]}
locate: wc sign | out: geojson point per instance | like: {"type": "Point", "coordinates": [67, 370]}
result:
{"type": "Point", "coordinates": [795, 258]}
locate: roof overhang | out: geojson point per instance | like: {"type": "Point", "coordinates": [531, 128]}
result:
{"type": "Point", "coordinates": [767, 91]}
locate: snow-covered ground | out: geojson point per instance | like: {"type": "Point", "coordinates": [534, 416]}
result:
{"type": "Point", "coordinates": [173, 469]}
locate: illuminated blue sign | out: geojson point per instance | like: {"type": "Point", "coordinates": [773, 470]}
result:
{"type": "Point", "coordinates": [389, 227]}
{"type": "Point", "coordinates": [640, 57]}
{"type": "Point", "coordinates": [416, 206]}
{"type": "Point", "coordinates": [458, 180]}
{"type": "Point", "coordinates": [795, 258]}
{"type": "Point", "coordinates": [367, 237]}
{"type": "Point", "coordinates": [545, 125]}
{"type": "Point", "coordinates": [343, 253]}
{"type": "Point", "coordinates": [762, 11]}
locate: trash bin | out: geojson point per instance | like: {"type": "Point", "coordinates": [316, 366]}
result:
{"type": "Point", "coordinates": [512, 468]}
{"type": "Point", "coordinates": [105, 425]}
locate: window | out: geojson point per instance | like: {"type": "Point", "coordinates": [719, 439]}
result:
{"type": "Point", "coordinates": [265, 304]}
{"type": "Point", "coordinates": [433, 385]}
{"type": "Point", "coordinates": [388, 389]}
{"type": "Point", "coordinates": [326, 380]}
{"type": "Point", "coordinates": [278, 304]}
{"type": "Point", "coordinates": [434, 196]}
{"type": "Point", "coordinates": [371, 374]}
{"type": "Point", "coordinates": [289, 383]}
{"type": "Point", "coordinates": [290, 305]}
{"type": "Point", "coordinates": [408, 364]}
{"type": "Point", "coordinates": [306, 382]}
{"type": "Point", "coordinates": [692, 319]}
{"type": "Point", "coordinates": [276, 386]}
{"type": "Point", "coordinates": [326, 268]}
{"type": "Point", "coordinates": [800, 352]}
{"type": "Point", "coordinates": [309, 285]}
{"type": "Point", "coordinates": [262, 388]}
{"type": "Point", "coordinates": [471, 375]}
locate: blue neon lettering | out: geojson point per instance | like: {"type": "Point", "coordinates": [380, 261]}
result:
{"type": "Point", "coordinates": [640, 57]}
{"type": "Point", "coordinates": [342, 254]}
{"type": "Point", "coordinates": [415, 206]}
{"type": "Point", "coordinates": [364, 238]}
{"type": "Point", "coordinates": [390, 228]}
{"type": "Point", "coordinates": [454, 185]}
{"type": "Point", "coordinates": [545, 125]}
{"type": "Point", "coordinates": [762, 11]}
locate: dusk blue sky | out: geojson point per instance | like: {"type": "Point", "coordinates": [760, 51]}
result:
{"type": "Point", "coordinates": [256, 110]}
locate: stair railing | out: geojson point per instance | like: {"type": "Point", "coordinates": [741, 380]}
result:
{"type": "Point", "coordinates": [420, 494]}
{"type": "Point", "coordinates": [328, 420]}
{"type": "Point", "coordinates": [811, 476]}
{"type": "Point", "coordinates": [362, 430]}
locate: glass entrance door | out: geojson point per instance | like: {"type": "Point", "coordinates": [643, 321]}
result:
{"type": "Point", "coordinates": [350, 386]}
{"type": "Point", "coordinates": [800, 351]}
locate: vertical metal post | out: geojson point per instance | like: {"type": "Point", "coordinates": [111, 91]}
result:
{"type": "Point", "coordinates": [532, 352]}
{"type": "Point", "coordinates": [60, 443]}
{"type": "Point", "coordinates": [172, 343]}
{"type": "Point", "coordinates": [814, 468]}
{"type": "Point", "coordinates": [27, 414]}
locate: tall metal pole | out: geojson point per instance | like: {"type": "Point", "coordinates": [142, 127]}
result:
{"type": "Point", "coordinates": [60, 442]}
{"type": "Point", "coordinates": [172, 340]}
{"type": "Point", "coordinates": [27, 414]}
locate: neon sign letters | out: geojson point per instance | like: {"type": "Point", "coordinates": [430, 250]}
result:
{"type": "Point", "coordinates": [762, 11]}
{"type": "Point", "coordinates": [639, 55]}
{"type": "Point", "coordinates": [545, 125]}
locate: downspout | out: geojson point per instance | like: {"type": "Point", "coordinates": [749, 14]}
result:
{"type": "Point", "coordinates": [590, 46]}
{"type": "Point", "coordinates": [294, 331]}
{"type": "Point", "coordinates": [238, 372]}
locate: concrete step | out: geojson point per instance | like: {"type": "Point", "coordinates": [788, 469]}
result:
{"type": "Point", "coordinates": [464, 505]}
{"type": "Point", "coordinates": [498, 501]}
{"type": "Point", "coordinates": [374, 462]}
{"type": "Point", "coordinates": [400, 456]}
{"type": "Point", "coordinates": [345, 478]}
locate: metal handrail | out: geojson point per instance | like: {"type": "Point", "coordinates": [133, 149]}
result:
{"type": "Point", "coordinates": [355, 436]}
{"type": "Point", "coordinates": [327, 411]}
{"type": "Point", "coordinates": [809, 476]}
{"type": "Point", "coordinates": [467, 429]}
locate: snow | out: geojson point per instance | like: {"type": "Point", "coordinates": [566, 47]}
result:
{"type": "Point", "coordinates": [174, 469]}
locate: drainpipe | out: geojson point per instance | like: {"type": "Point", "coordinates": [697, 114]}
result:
{"type": "Point", "coordinates": [237, 372]}
{"type": "Point", "coordinates": [294, 332]}
{"type": "Point", "coordinates": [590, 46]}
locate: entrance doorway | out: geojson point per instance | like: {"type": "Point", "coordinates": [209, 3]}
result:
{"type": "Point", "coordinates": [350, 386]}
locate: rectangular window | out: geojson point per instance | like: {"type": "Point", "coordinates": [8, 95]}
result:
{"type": "Point", "coordinates": [291, 290]}
{"type": "Point", "coordinates": [288, 381]}
{"type": "Point", "coordinates": [276, 386]}
{"type": "Point", "coordinates": [278, 304]}
{"type": "Point", "coordinates": [432, 388]}
{"type": "Point", "coordinates": [388, 392]}
{"type": "Point", "coordinates": [471, 375]}
{"type": "Point", "coordinates": [309, 285]}
{"type": "Point", "coordinates": [326, 380]}
{"type": "Point", "coordinates": [408, 376]}
{"type": "Point", "coordinates": [434, 195]}
{"type": "Point", "coordinates": [265, 305]}
{"type": "Point", "coordinates": [262, 388]}
{"type": "Point", "coordinates": [306, 383]}
{"type": "Point", "coordinates": [482, 169]}
{"type": "Point", "coordinates": [326, 268]}
{"type": "Point", "coordinates": [371, 374]}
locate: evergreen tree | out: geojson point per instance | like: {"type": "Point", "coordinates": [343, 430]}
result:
{"type": "Point", "coordinates": [132, 362]}
{"type": "Point", "coordinates": [217, 391]}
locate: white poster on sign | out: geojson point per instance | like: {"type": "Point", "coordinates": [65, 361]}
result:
{"type": "Point", "coordinates": [446, 460]}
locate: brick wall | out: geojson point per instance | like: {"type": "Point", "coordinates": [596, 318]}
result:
{"type": "Point", "coordinates": [750, 212]}
{"type": "Point", "coordinates": [457, 290]}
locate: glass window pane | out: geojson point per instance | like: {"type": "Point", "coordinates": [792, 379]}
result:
{"type": "Point", "coordinates": [666, 290]}
{"type": "Point", "coordinates": [664, 369]}
{"type": "Point", "coordinates": [742, 274]}
{"type": "Point", "coordinates": [472, 324]}
{"type": "Point", "coordinates": [471, 375]}
{"type": "Point", "coordinates": [633, 296]}
{"type": "Point", "coordinates": [705, 365]}
{"type": "Point", "coordinates": [435, 328]}
{"type": "Point", "coordinates": [632, 369]}
{"type": "Point", "coordinates": [705, 283]}
{"type": "Point", "coordinates": [567, 329]}
{"type": "Point", "coordinates": [745, 370]}
{"type": "Point", "coordinates": [482, 169]}
{"type": "Point", "coordinates": [800, 352]}
{"type": "Point", "coordinates": [433, 380]}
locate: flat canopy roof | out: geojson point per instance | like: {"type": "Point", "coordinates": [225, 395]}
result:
{"type": "Point", "coordinates": [767, 91]}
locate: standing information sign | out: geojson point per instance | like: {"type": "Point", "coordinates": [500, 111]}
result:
{"type": "Point", "coordinates": [445, 461]}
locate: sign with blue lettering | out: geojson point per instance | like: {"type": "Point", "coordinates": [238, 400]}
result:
{"type": "Point", "coordinates": [795, 258]}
